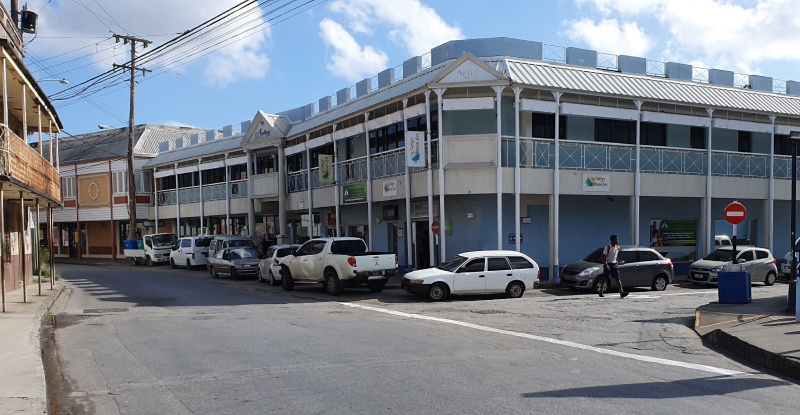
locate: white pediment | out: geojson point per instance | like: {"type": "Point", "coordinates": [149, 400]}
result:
{"type": "Point", "coordinates": [262, 129]}
{"type": "Point", "coordinates": [471, 70]}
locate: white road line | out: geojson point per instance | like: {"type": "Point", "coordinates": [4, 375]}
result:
{"type": "Point", "coordinates": [704, 368]}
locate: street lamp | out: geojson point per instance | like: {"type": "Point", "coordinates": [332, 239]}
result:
{"type": "Point", "coordinates": [794, 137]}
{"type": "Point", "coordinates": [62, 80]}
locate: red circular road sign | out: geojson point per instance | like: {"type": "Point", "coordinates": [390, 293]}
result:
{"type": "Point", "coordinates": [435, 227]}
{"type": "Point", "coordinates": [735, 213]}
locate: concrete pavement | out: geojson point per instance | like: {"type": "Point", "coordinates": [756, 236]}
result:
{"type": "Point", "coordinates": [22, 380]}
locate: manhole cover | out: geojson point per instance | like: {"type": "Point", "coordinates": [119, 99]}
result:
{"type": "Point", "coordinates": [103, 310]}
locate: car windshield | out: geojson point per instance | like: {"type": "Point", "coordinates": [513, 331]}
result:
{"type": "Point", "coordinates": [242, 253]}
{"type": "Point", "coordinates": [721, 255]}
{"type": "Point", "coordinates": [452, 264]}
{"type": "Point", "coordinates": [594, 256]}
{"type": "Point", "coordinates": [164, 240]}
{"type": "Point", "coordinates": [240, 242]}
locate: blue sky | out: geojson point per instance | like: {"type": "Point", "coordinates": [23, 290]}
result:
{"type": "Point", "coordinates": [324, 46]}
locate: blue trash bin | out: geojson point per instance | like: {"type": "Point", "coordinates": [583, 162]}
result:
{"type": "Point", "coordinates": [734, 287]}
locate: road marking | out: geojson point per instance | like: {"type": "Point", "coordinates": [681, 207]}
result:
{"type": "Point", "coordinates": [658, 360]}
{"type": "Point", "coordinates": [651, 296]}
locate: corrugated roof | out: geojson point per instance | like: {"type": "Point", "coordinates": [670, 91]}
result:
{"type": "Point", "coordinates": [560, 77]}
{"type": "Point", "coordinates": [196, 151]}
{"type": "Point", "coordinates": [358, 105]}
{"type": "Point", "coordinates": [110, 144]}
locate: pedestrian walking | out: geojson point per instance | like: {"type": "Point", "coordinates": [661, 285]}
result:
{"type": "Point", "coordinates": [610, 267]}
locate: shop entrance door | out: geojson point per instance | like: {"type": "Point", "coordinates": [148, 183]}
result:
{"type": "Point", "coordinates": [421, 248]}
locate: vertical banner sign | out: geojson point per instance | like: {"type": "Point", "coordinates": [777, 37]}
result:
{"type": "Point", "coordinates": [325, 168]}
{"type": "Point", "coordinates": [414, 148]}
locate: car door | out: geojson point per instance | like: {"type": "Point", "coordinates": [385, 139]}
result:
{"type": "Point", "coordinates": [218, 263]}
{"type": "Point", "coordinates": [762, 265]}
{"type": "Point", "coordinates": [300, 264]}
{"type": "Point", "coordinates": [316, 259]}
{"type": "Point", "coordinates": [470, 277]}
{"type": "Point", "coordinates": [746, 259]}
{"type": "Point", "coordinates": [498, 274]}
{"type": "Point", "coordinates": [629, 271]}
{"type": "Point", "coordinates": [647, 266]}
{"type": "Point", "coordinates": [185, 250]}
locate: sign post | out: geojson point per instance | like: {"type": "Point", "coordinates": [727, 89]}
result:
{"type": "Point", "coordinates": [735, 213]}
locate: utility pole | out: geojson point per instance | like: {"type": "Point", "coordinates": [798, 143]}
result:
{"type": "Point", "coordinates": [131, 181]}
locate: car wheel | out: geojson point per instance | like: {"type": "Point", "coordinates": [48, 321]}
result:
{"type": "Point", "coordinates": [598, 284]}
{"type": "Point", "coordinates": [332, 284]}
{"type": "Point", "coordinates": [437, 292]}
{"type": "Point", "coordinates": [376, 287]}
{"type": "Point", "coordinates": [234, 274]}
{"type": "Point", "coordinates": [172, 263]}
{"type": "Point", "coordinates": [770, 279]}
{"type": "Point", "coordinates": [213, 272]}
{"type": "Point", "coordinates": [149, 261]}
{"type": "Point", "coordinates": [272, 280]}
{"type": "Point", "coordinates": [515, 289]}
{"type": "Point", "coordinates": [286, 279]}
{"type": "Point", "coordinates": [660, 283]}
{"type": "Point", "coordinates": [260, 277]}
{"type": "Point", "coordinates": [134, 261]}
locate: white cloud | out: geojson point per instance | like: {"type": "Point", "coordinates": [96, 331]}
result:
{"type": "Point", "coordinates": [410, 23]}
{"type": "Point", "coordinates": [737, 35]}
{"type": "Point", "coordinates": [349, 60]}
{"type": "Point", "coordinates": [173, 123]}
{"type": "Point", "coordinates": [609, 36]}
{"type": "Point", "coordinates": [65, 25]}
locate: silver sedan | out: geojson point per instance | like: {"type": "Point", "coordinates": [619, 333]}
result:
{"type": "Point", "coordinates": [236, 262]}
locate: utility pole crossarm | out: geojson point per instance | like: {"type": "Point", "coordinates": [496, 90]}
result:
{"type": "Point", "coordinates": [131, 177]}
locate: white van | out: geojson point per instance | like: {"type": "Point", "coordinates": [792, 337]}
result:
{"type": "Point", "coordinates": [722, 240]}
{"type": "Point", "coordinates": [190, 251]}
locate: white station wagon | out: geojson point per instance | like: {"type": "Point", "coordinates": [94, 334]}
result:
{"type": "Point", "coordinates": [477, 272]}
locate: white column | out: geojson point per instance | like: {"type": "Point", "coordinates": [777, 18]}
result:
{"type": "Point", "coordinates": [177, 203]}
{"type": "Point", "coordinates": [39, 115]}
{"type": "Point", "coordinates": [282, 236]}
{"type": "Point", "coordinates": [50, 140]}
{"type": "Point", "coordinates": [709, 237]}
{"type": "Point", "coordinates": [554, 277]}
{"type": "Point", "coordinates": [431, 245]}
{"type": "Point", "coordinates": [408, 233]}
{"type": "Point", "coordinates": [517, 172]}
{"type": "Point", "coordinates": [227, 196]}
{"type": "Point", "coordinates": [637, 177]}
{"type": "Point", "coordinates": [24, 113]}
{"type": "Point", "coordinates": [498, 91]}
{"type": "Point", "coordinates": [771, 198]}
{"type": "Point", "coordinates": [251, 210]}
{"type": "Point", "coordinates": [155, 192]}
{"type": "Point", "coordinates": [202, 201]}
{"type": "Point", "coordinates": [58, 159]}
{"type": "Point", "coordinates": [5, 94]}
{"type": "Point", "coordinates": [337, 184]}
{"type": "Point", "coordinates": [309, 190]}
{"type": "Point", "coordinates": [369, 181]}
{"type": "Point", "coordinates": [442, 219]}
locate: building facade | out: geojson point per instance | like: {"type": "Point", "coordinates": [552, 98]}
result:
{"type": "Point", "coordinates": [94, 219]}
{"type": "Point", "coordinates": [512, 144]}
{"type": "Point", "coordinates": [29, 182]}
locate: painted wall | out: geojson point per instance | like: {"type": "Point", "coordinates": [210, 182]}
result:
{"type": "Point", "coordinates": [469, 122]}
{"type": "Point", "coordinates": [678, 136]}
{"type": "Point", "coordinates": [725, 140]}
{"type": "Point", "coordinates": [580, 128]}
{"type": "Point", "coordinates": [761, 143]}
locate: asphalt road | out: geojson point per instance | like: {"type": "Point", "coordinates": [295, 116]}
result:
{"type": "Point", "coordinates": [163, 341]}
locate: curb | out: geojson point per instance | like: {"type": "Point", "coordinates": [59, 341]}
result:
{"type": "Point", "coordinates": [773, 361]}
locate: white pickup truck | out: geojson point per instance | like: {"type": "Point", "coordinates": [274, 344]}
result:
{"type": "Point", "coordinates": [337, 263]}
{"type": "Point", "coordinates": [155, 249]}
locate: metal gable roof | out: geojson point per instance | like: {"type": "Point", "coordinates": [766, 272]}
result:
{"type": "Point", "coordinates": [361, 104]}
{"type": "Point", "coordinates": [596, 81]}
{"type": "Point", "coordinates": [196, 151]}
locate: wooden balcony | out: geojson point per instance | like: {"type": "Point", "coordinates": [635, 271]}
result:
{"type": "Point", "coordinates": [25, 167]}
{"type": "Point", "coordinates": [9, 33]}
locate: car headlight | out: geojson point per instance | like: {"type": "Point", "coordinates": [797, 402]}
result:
{"type": "Point", "coordinates": [589, 272]}
{"type": "Point", "coordinates": [717, 269]}
{"type": "Point", "coordinates": [416, 282]}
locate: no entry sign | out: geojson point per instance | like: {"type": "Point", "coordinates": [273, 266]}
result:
{"type": "Point", "coordinates": [735, 213]}
{"type": "Point", "coordinates": [435, 227]}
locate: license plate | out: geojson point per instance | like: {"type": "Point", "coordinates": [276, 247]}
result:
{"type": "Point", "coordinates": [699, 276]}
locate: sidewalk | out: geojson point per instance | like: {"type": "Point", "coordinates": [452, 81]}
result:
{"type": "Point", "coordinates": [762, 332]}
{"type": "Point", "coordinates": [22, 381]}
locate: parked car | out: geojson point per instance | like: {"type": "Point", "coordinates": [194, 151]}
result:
{"type": "Point", "coordinates": [337, 263]}
{"type": "Point", "coordinates": [722, 240]}
{"type": "Point", "coordinates": [476, 272]}
{"type": "Point", "coordinates": [269, 269]}
{"type": "Point", "coordinates": [155, 249]}
{"type": "Point", "coordinates": [228, 241]}
{"type": "Point", "coordinates": [190, 251]}
{"type": "Point", "coordinates": [759, 261]}
{"type": "Point", "coordinates": [236, 262]}
{"type": "Point", "coordinates": [638, 267]}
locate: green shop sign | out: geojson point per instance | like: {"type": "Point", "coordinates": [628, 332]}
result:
{"type": "Point", "coordinates": [353, 193]}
